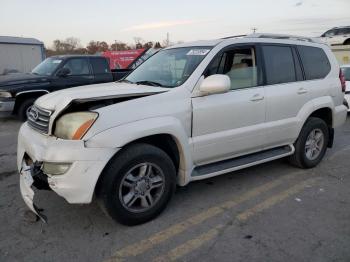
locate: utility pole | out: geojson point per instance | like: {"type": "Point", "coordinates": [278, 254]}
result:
{"type": "Point", "coordinates": [167, 39]}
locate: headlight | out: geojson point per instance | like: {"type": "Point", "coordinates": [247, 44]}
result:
{"type": "Point", "coordinates": [73, 126]}
{"type": "Point", "coordinates": [4, 94]}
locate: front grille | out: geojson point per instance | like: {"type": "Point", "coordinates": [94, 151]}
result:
{"type": "Point", "coordinates": [39, 119]}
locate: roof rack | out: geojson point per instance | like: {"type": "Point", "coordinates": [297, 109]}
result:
{"type": "Point", "coordinates": [287, 37]}
{"type": "Point", "coordinates": [233, 36]}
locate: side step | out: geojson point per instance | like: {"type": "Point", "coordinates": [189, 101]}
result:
{"type": "Point", "coordinates": [229, 165]}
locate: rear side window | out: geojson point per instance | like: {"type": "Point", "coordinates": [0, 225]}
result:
{"type": "Point", "coordinates": [279, 64]}
{"type": "Point", "coordinates": [315, 62]}
{"type": "Point", "coordinates": [99, 65]}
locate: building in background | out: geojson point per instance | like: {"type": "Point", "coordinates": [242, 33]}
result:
{"type": "Point", "coordinates": [18, 54]}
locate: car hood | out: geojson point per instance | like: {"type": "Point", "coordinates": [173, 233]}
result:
{"type": "Point", "coordinates": [60, 99]}
{"type": "Point", "coordinates": [20, 79]}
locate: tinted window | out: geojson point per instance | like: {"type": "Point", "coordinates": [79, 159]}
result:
{"type": "Point", "coordinates": [346, 72]}
{"type": "Point", "coordinates": [315, 62]}
{"type": "Point", "coordinates": [99, 65]}
{"type": "Point", "coordinates": [78, 66]}
{"type": "Point", "coordinates": [279, 64]}
{"type": "Point", "coordinates": [298, 70]}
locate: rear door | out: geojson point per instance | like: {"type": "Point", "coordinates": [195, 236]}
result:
{"type": "Point", "coordinates": [286, 93]}
{"type": "Point", "coordinates": [230, 124]}
{"type": "Point", "coordinates": [101, 71]}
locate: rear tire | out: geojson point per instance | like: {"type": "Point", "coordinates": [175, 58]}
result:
{"type": "Point", "coordinates": [24, 107]}
{"type": "Point", "coordinates": [347, 42]}
{"type": "Point", "coordinates": [137, 184]}
{"type": "Point", "coordinates": [311, 144]}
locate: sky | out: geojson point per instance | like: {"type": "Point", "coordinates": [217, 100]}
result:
{"type": "Point", "coordinates": [184, 20]}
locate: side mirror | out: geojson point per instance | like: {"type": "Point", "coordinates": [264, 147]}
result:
{"type": "Point", "coordinates": [215, 84]}
{"type": "Point", "coordinates": [63, 72]}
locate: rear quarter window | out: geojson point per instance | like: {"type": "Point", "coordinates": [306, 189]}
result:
{"type": "Point", "coordinates": [315, 62]}
{"type": "Point", "coordinates": [99, 65]}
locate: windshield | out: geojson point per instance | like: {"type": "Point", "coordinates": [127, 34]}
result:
{"type": "Point", "coordinates": [346, 72]}
{"type": "Point", "coordinates": [169, 68]}
{"type": "Point", "coordinates": [47, 67]}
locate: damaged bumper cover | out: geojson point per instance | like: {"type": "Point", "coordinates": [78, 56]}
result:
{"type": "Point", "coordinates": [77, 184]}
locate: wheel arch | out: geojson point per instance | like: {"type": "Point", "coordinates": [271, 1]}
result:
{"type": "Point", "coordinates": [22, 96]}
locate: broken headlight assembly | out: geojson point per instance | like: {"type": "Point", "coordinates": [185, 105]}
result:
{"type": "Point", "coordinates": [73, 126]}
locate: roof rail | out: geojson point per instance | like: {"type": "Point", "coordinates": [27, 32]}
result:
{"type": "Point", "coordinates": [233, 36]}
{"type": "Point", "coordinates": [288, 37]}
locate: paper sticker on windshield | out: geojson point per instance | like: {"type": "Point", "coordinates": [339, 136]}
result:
{"type": "Point", "coordinates": [200, 52]}
{"type": "Point", "coordinates": [56, 61]}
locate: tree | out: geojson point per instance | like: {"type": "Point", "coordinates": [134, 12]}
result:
{"type": "Point", "coordinates": [119, 46]}
{"type": "Point", "coordinates": [148, 45]}
{"type": "Point", "coordinates": [157, 45]}
{"type": "Point", "coordinates": [95, 47]}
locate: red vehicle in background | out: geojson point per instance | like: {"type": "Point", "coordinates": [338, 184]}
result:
{"type": "Point", "coordinates": [122, 59]}
{"type": "Point", "coordinates": [123, 62]}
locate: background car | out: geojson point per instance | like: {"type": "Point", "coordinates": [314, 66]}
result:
{"type": "Point", "coordinates": [337, 36]}
{"type": "Point", "coordinates": [346, 72]}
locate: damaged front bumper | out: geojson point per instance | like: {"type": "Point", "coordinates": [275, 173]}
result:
{"type": "Point", "coordinates": [76, 185]}
{"type": "Point", "coordinates": [29, 177]}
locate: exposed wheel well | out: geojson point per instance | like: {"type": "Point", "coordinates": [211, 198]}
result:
{"type": "Point", "coordinates": [326, 115]}
{"type": "Point", "coordinates": [23, 97]}
{"type": "Point", "coordinates": [347, 42]}
{"type": "Point", "coordinates": [163, 141]}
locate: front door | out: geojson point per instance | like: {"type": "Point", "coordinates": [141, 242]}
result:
{"type": "Point", "coordinates": [80, 74]}
{"type": "Point", "coordinates": [227, 125]}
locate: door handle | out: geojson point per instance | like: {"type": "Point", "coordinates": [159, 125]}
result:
{"type": "Point", "coordinates": [257, 97]}
{"type": "Point", "coordinates": [302, 91]}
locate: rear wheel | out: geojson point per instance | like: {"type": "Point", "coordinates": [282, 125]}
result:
{"type": "Point", "coordinates": [137, 185]}
{"type": "Point", "coordinates": [347, 42]}
{"type": "Point", "coordinates": [311, 144]}
{"type": "Point", "coordinates": [24, 108]}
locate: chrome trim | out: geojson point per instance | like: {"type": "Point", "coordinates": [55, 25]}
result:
{"type": "Point", "coordinates": [32, 91]}
{"type": "Point", "coordinates": [7, 106]}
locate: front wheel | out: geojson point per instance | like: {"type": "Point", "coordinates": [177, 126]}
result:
{"type": "Point", "coordinates": [311, 144]}
{"type": "Point", "coordinates": [137, 184]}
{"type": "Point", "coordinates": [24, 108]}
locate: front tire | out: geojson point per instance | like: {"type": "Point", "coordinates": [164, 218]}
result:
{"type": "Point", "coordinates": [24, 108]}
{"type": "Point", "coordinates": [137, 184]}
{"type": "Point", "coordinates": [311, 144]}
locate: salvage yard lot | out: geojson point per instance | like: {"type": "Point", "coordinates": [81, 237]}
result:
{"type": "Point", "coordinates": [271, 212]}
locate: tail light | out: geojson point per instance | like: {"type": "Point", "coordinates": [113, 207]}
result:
{"type": "Point", "coordinates": [342, 81]}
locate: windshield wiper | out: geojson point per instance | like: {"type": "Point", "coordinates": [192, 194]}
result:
{"type": "Point", "coordinates": [149, 83]}
{"type": "Point", "coordinates": [125, 81]}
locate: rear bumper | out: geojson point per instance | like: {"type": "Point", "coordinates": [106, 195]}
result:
{"type": "Point", "coordinates": [340, 114]}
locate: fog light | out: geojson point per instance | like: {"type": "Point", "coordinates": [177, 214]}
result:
{"type": "Point", "coordinates": [55, 168]}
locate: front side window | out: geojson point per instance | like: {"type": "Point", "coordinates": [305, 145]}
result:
{"type": "Point", "coordinates": [315, 62]}
{"type": "Point", "coordinates": [329, 33]}
{"type": "Point", "coordinates": [78, 66]}
{"type": "Point", "coordinates": [239, 64]}
{"type": "Point", "coordinates": [169, 67]}
{"type": "Point", "coordinates": [279, 64]}
{"type": "Point", "coordinates": [47, 67]}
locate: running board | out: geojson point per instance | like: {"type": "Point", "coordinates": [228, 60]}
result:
{"type": "Point", "coordinates": [229, 165]}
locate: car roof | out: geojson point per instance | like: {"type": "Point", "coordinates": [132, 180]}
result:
{"type": "Point", "coordinates": [277, 38]}
{"type": "Point", "coordinates": [74, 56]}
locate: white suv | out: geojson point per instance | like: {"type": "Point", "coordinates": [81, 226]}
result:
{"type": "Point", "coordinates": [190, 112]}
{"type": "Point", "coordinates": [337, 36]}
